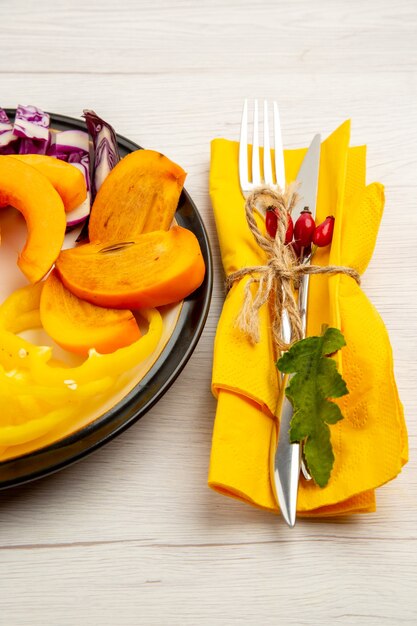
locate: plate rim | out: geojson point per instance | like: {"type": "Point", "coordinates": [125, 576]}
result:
{"type": "Point", "coordinates": [124, 414]}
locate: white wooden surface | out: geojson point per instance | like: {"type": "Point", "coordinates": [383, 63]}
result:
{"type": "Point", "coordinates": [132, 535]}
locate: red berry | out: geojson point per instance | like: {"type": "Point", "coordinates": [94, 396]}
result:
{"type": "Point", "coordinates": [307, 252]}
{"type": "Point", "coordinates": [271, 223]}
{"type": "Point", "coordinates": [296, 248]}
{"type": "Point", "coordinates": [290, 230]}
{"type": "Point", "coordinates": [304, 228]}
{"type": "Point", "coordinates": [324, 232]}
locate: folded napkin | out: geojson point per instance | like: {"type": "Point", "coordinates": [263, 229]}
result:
{"type": "Point", "coordinates": [370, 444]}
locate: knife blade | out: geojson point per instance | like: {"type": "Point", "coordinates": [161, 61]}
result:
{"type": "Point", "coordinates": [287, 458]}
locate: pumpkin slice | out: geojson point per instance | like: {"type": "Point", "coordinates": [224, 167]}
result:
{"type": "Point", "coordinates": [77, 326]}
{"type": "Point", "coordinates": [31, 193]}
{"type": "Point", "coordinates": [66, 178]}
{"type": "Point", "coordinates": [157, 268]}
{"type": "Point", "coordinates": [139, 195]}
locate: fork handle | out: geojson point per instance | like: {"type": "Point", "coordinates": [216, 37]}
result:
{"type": "Point", "coordinates": [302, 301]}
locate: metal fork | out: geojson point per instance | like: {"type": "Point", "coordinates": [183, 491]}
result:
{"type": "Point", "coordinates": [245, 184]}
{"type": "Point", "coordinates": [248, 185]}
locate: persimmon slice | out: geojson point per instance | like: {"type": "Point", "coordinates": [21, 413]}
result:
{"type": "Point", "coordinates": [139, 195]}
{"type": "Point", "coordinates": [156, 268]}
{"type": "Point", "coordinates": [77, 326]}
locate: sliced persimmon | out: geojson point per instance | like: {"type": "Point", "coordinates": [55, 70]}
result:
{"type": "Point", "coordinates": [68, 180]}
{"type": "Point", "coordinates": [30, 192]}
{"type": "Point", "coordinates": [157, 268]}
{"type": "Point", "coordinates": [78, 326]}
{"type": "Point", "coordinates": [139, 195]}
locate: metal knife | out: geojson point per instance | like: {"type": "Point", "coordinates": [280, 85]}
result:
{"type": "Point", "coordinates": [287, 458]}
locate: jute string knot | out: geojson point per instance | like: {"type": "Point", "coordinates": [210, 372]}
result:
{"type": "Point", "coordinates": [277, 280]}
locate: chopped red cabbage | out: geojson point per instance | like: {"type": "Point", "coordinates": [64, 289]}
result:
{"type": "Point", "coordinates": [69, 141]}
{"type": "Point", "coordinates": [31, 123]}
{"type": "Point", "coordinates": [32, 126]}
{"type": "Point", "coordinates": [53, 151]}
{"type": "Point", "coordinates": [33, 146]}
{"type": "Point", "coordinates": [8, 140]}
{"type": "Point", "coordinates": [106, 150]}
{"type": "Point", "coordinates": [73, 146]}
{"type": "Point", "coordinates": [79, 214]}
{"type": "Point", "coordinates": [9, 149]}
{"type": "Point", "coordinates": [30, 134]}
{"type": "Point", "coordinates": [106, 156]}
{"type": "Point", "coordinates": [4, 119]}
{"type": "Point", "coordinates": [80, 160]}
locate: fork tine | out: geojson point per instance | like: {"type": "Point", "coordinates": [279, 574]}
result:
{"type": "Point", "coordinates": [267, 149]}
{"type": "Point", "coordinates": [256, 167]}
{"type": "Point", "coordinates": [279, 150]}
{"type": "Point", "coordinates": [243, 149]}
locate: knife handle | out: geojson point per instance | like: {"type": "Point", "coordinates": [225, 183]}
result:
{"type": "Point", "coordinates": [286, 460]}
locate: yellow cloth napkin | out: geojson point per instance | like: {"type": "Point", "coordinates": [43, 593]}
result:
{"type": "Point", "coordinates": [370, 444]}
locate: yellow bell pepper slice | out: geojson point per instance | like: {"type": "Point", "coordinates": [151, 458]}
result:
{"type": "Point", "coordinates": [39, 393]}
{"type": "Point", "coordinates": [33, 429]}
{"type": "Point", "coordinates": [33, 421]}
{"type": "Point", "coordinates": [20, 309]}
{"type": "Point", "coordinates": [20, 384]}
{"type": "Point", "coordinates": [20, 301]}
{"type": "Point", "coordinates": [99, 365]}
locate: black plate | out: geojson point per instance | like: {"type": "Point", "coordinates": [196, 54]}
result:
{"type": "Point", "coordinates": [155, 383]}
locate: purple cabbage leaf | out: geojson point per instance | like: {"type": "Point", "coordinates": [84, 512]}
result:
{"type": "Point", "coordinates": [106, 150]}
{"type": "Point", "coordinates": [8, 141]}
{"type": "Point", "coordinates": [106, 155]}
{"type": "Point", "coordinates": [31, 123]}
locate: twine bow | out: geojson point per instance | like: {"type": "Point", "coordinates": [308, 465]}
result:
{"type": "Point", "coordinates": [280, 277]}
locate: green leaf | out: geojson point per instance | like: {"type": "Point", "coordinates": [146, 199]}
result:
{"type": "Point", "coordinates": [314, 380]}
{"type": "Point", "coordinates": [332, 340]}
